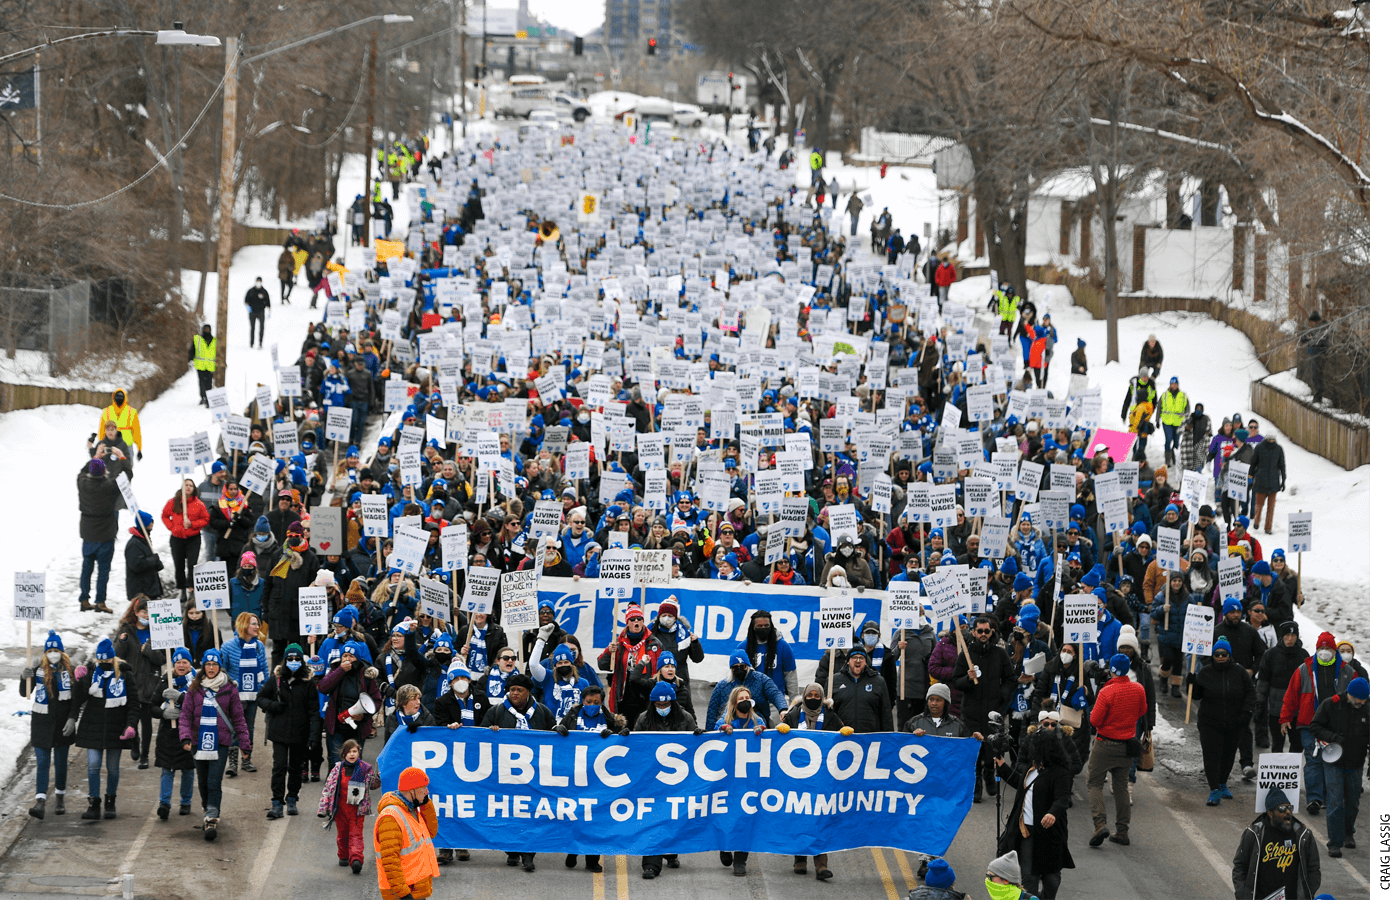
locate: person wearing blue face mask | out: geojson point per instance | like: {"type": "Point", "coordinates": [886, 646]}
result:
{"type": "Point", "coordinates": [291, 703]}
{"type": "Point", "coordinates": [664, 713]}
{"type": "Point", "coordinates": [589, 714]}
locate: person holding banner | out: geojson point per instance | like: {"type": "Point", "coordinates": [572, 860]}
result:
{"type": "Point", "coordinates": [1277, 855]}
{"type": "Point", "coordinates": [211, 722]}
{"type": "Point", "coordinates": [860, 696]}
{"type": "Point", "coordinates": [51, 687]}
{"type": "Point", "coordinates": [1226, 692]}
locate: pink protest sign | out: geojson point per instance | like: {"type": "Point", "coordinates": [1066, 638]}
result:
{"type": "Point", "coordinates": [1119, 443]}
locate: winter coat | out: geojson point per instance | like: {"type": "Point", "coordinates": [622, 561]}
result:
{"type": "Point", "coordinates": [692, 652]}
{"type": "Point", "coordinates": [266, 552]}
{"type": "Point", "coordinates": [1195, 442]}
{"type": "Point", "coordinates": [1246, 646]}
{"type": "Point", "coordinates": [993, 689]}
{"type": "Point", "coordinates": [362, 683]}
{"type": "Point", "coordinates": [767, 698]}
{"type": "Point", "coordinates": [679, 720]}
{"type": "Point", "coordinates": [1051, 795]}
{"type": "Point", "coordinates": [446, 710]}
{"type": "Point", "coordinates": [1120, 705]}
{"type": "Point", "coordinates": [291, 706]}
{"type": "Point", "coordinates": [389, 841]}
{"type": "Point", "coordinates": [142, 567]}
{"type": "Point", "coordinates": [234, 732]}
{"type": "Point", "coordinates": [1151, 356]}
{"type": "Point", "coordinates": [173, 517]}
{"type": "Point", "coordinates": [46, 728]}
{"type": "Point", "coordinates": [145, 664]}
{"type": "Point", "coordinates": [1171, 622]}
{"type": "Point", "coordinates": [231, 652]}
{"type": "Point", "coordinates": [237, 528]}
{"type": "Point", "coordinates": [286, 266]}
{"type": "Point", "coordinates": [99, 498]}
{"type": "Point", "coordinates": [280, 592]}
{"type": "Point", "coordinates": [330, 793]}
{"type": "Point", "coordinates": [863, 703]}
{"type": "Point", "coordinates": [1338, 721]}
{"type": "Point", "coordinates": [1244, 872]}
{"type": "Point", "coordinates": [495, 638]}
{"type": "Point", "coordinates": [942, 662]}
{"type": "Point", "coordinates": [918, 650]}
{"type": "Point", "coordinates": [504, 719]}
{"type": "Point", "coordinates": [1275, 671]}
{"type": "Point", "coordinates": [170, 752]}
{"type": "Point", "coordinates": [952, 726]}
{"type": "Point", "coordinates": [1301, 699]}
{"type": "Point", "coordinates": [639, 692]}
{"type": "Point", "coordinates": [243, 598]}
{"type": "Point", "coordinates": [205, 641]}
{"type": "Point", "coordinates": [1269, 469]}
{"type": "Point", "coordinates": [1226, 694]}
{"type": "Point", "coordinates": [100, 726]}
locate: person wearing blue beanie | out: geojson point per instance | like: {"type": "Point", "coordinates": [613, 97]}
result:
{"type": "Point", "coordinates": [1283, 850]}
{"type": "Point", "coordinates": [1344, 721]}
{"type": "Point", "coordinates": [938, 882]}
{"type": "Point", "coordinates": [50, 685]}
{"type": "Point", "coordinates": [1226, 692]}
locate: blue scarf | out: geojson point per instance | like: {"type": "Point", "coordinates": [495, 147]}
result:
{"type": "Point", "coordinates": [207, 747]}
{"type": "Point", "coordinates": [409, 722]}
{"type": "Point", "coordinates": [590, 723]}
{"type": "Point", "coordinates": [476, 654]}
{"type": "Point", "coordinates": [444, 684]}
{"type": "Point", "coordinates": [816, 725]}
{"type": "Point", "coordinates": [522, 719]}
{"type": "Point", "coordinates": [109, 685]}
{"type": "Point", "coordinates": [496, 686]}
{"type": "Point", "coordinates": [466, 709]}
{"type": "Point", "coordinates": [876, 654]}
{"type": "Point", "coordinates": [41, 690]}
{"type": "Point", "coordinates": [563, 695]}
{"type": "Point", "coordinates": [683, 635]}
{"type": "Point", "coordinates": [249, 672]}
{"type": "Point", "coordinates": [391, 696]}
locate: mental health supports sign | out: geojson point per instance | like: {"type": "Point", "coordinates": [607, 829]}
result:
{"type": "Point", "coordinates": [648, 793]}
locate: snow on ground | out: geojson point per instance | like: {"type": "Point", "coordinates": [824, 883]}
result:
{"type": "Point", "coordinates": [95, 373]}
{"type": "Point", "coordinates": [42, 449]}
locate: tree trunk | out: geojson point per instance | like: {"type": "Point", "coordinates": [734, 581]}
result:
{"type": "Point", "coordinates": [1108, 208]}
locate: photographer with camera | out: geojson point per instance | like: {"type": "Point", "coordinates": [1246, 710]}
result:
{"type": "Point", "coordinates": [986, 677]}
{"type": "Point", "coordinates": [1120, 704]}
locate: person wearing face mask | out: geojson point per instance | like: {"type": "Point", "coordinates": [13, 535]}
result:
{"type": "Point", "coordinates": [480, 642]}
{"type": "Point", "coordinates": [436, 662]}
{"type": "Point", "coordinates": [132, 641]}
{"type": "Point", "coordinates": [171, 756]}
{"type": "Point", "coordinates": [106, 718]}
{"type": "Point", "coordinates": [211, 722]}
{"type": "Point", "coordinates": [1037, 828]}
{"type": "Point", "coordinates": [347, 679]}
{"type": "Point", "coordinates": [1346, 652]}
{"type": "Point", "coordinates": [51, 687]}
{"type": "Point", "coordinates": [1004, 878]}
{"type": "Point", "coordinates": [1345, 720]}
{"type": "Point", "coordinates": [290, 702]}
{"type": "Point", "coordinates": [1312, 683]}
{"type": "Point", "coordinates": [672, 632]}
{"type": "Point", "coordinates": [986, 678]}
{"type": "Point", "coordinates": [1226, 694]}
{"type": "Point", "coordinates": [404, 854]}
{"type": "Point", "coordinates": [1276, 852]}
{"type": "Point", "coordinates": [764, 694]}
{"type": "Point", "coordinates": [294, 570]}
{"type": "Point", "coordinates": [769, 653]}
{"type": "Point", "coordinates": [877, 655]}
{"type": "Point", "coordinates": [860, 696]}
{"type": "Point", "coordinates": [664, 713]}
{"type": "Point", "coordinates": [520, 711]}
{"type": "Point", "coordinates": [245, 660]}
{"type": "Point", "coordinates": [560, 685]}
{"type": "Point", "coordinates": [846, 567]}
{"type": "Point", "coordinates": [812, 714]}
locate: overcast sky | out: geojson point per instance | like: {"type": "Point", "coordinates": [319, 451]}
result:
{"type": "Point", "coordinates": [579, 16]}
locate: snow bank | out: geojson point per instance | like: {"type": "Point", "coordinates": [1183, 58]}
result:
{"type": "Point", "coordinates": [97, 373]}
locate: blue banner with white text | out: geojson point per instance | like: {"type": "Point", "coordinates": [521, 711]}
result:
{"type": "Point", "coordinates": [804, 792]}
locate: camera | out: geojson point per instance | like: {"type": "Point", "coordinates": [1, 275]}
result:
{"type": "Point", "coordinates": [1001, 740]}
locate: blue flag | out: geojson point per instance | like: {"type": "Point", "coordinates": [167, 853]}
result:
{"type": "Point", "coordinates": [801, 793]}
{"type": "Point", "coordinates": [18, 91]}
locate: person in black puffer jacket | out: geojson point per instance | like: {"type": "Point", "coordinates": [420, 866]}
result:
{"type": "Point", "coordinates": [143, 564]}
{"type": "Point", "coordinates": [291, 703]}
{"type": "Point", "coordinates": [859, 695]}
{"type": "Point", "coordinates": [51, 686]}
{"type": "Point", "coordinates": [1226, 693]}
{"type": "Point", "coordinates": [171, 755]}
{"type": "Point", "coordinates": [106, 713]}
{"type": "Point", "coordinates": [1277, 667]}
{"type": "Point", "coordinates": [663, 713]}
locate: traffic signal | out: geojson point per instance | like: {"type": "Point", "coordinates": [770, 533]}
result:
{"type": "Point", "coordinates": [578, 46]}
{"type": "Point", "coordinates": [651, 46]}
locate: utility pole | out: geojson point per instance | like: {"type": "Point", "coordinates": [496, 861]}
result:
{"type": "Point", "coordinates": [369, 136]}
{"type": "Point", "coordinates": [226, 157]}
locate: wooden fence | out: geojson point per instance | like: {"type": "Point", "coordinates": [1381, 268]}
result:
{"type": "Point", "coordinates": [1311, 427]}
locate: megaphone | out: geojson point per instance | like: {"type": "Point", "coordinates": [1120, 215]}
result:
{"type": "Point", "coordinates": [1332, 752]}
{"type": "Point", "coordinates": [363, 706]}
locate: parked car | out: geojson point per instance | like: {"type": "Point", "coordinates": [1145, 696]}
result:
{"type": "Point", "coordinates": [521, 100]}
{"type": "Point", "coordinates": [688, 115]}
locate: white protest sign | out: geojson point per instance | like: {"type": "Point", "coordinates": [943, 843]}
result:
{"type": "Point", "coordinates": [325, 531]}
{"type": "Point", "coordinates": [1028, 481]}
{"type": "Point", "coordinates": [995, 531]}
{"type": "Point", "coordinates": [1299, 532]}
{"type": "Point", "coordinates": [124, 485]}
{"type": "Point", "coordinates": [1237, 480]}
{"type": "Point", "coordinates": [943, 506]}
{"type": "Point", "coordinates": [211, 586]}
{"type": "Point", "coordinates": [437, 601]}
{"type": "Point", "coordinates": [480, 595]}
{"type": "Point", "coordinates": [284, 440]}
{"type": "Point", "coordinates": [615, 574]}
{"type": "Point", "coordinates": [1231, 571]}
{"type": "Point", "coordinates": [519, 603]}
{"type": "Point", "coordinates": [945, 595]}
{"type": "Point", "coordinates": [1081, 618]}
{"type": "Point", "coordinates": [904, 607]}
{"type": "Point", "coordinates": [313, 610]}
{"type": "Point", "coordinates": [918, 507]}
{"type": "Point", "coordinates": [236, 432]}
{"type": "Point", "coordinates": [338, 420]}
{"type": "Point", "coordinates": [29, 596]}
{"type": "Point", "coordinates": [456, 547]}
{"type": "Point", "coordinates": [841, 522]}
{"type": "Point", "coordinates": [395, 395]}
{"type": "Point", "coordinates": [167, 624]}
{"type": "Point", "coordinates": [260, 471]}
{"type": "Point", "coordinates": [978, 494]}
{"type": "Point", "coordinates": [218, 403]}
{"type": "Point", "coordinates": [1279, 770]}
{"type": "Point", "coordinates": [1169, 547]}
{"type": "Point", "coordinates": [651, 567]}
{"type": "Point", "coordinates": [267, 405]}
{"type": "Point", "coordinates": [881, 494]}
{"type": "Point", "coordinates": [1198, 634]}
{"type": "Point", "coordinates": [288, 381]}
{"type": "Point", "coordinates": [836, 620]}
{"type": "Point", "coordinates": [409, 546]}
{"type": "Point", "coordinates": [374, 513]}
{"type": "Point", "coordinates": [181, 456]}
{"type": "Point", "coordinates": [548, 516]}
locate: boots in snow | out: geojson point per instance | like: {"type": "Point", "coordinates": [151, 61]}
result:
{"type": "Point", "coordinates": [37, 810]}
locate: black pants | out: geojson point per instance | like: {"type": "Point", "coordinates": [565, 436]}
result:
{"type": "Point", "coordinates": [259, 325]}
{"type": "Point", "coordinates": [908, 709]}
{"type": "Point", "coordinates": [1045, 887]}
{"type": "Point", "coordinates": [143, 725]}
{"type": "Point", "coordinates": [1218, 753]}
{"type": "Point", "coordinates": [1172, 658]}
{"type": "Point", "coordinates": [287, 288]}
{"type": "Point", "coordinates": [185, 552]}
{"type": "Point", "coordinates": [1295, 741]}
{"type": "Point", "coordinates": [654, 862]}
{"type": "Point", "coordinates": [1245, 742]}
{"type": "Point", "coordinates": [286, 769]}
{"type": "Point", "coordinates": [206, 381]}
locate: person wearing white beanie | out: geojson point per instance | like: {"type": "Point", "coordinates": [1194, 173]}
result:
{"type": "Point", "coordinates": [1127, 637]}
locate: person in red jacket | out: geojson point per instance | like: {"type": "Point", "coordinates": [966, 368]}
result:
{"type": "Point", "coordinates": [1239, 536]}
{"type": "Point", "coordinates": [943, 278]}
{"type": "Point", "coordinates": [185, 516]}
{"type": "Point", "coordinates": [1316, 680]}
{"type": "Point", "coordinates": [1120, 704]}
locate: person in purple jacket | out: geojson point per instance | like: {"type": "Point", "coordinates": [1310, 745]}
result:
{"type": "Point", "coordinates": [211, 723]}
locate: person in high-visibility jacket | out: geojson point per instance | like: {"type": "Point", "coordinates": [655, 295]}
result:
{"type": "Point", "coordinates": [1003, 303]}
{"type": "Point", "coordinates": [1171, 412]}
{"type": "Point", "coordinates": [124, 416]}
{"type": "Point", "coordinates": [203, 352]}
{"type": "Point", "coordinates": [403, 839]}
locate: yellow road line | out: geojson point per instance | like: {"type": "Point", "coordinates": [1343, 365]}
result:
{"type": "Point", "coordinates": [884, 870]}
{"type": "Point", "coordinates": [600, 888]}
{"type": "Point", "coordinates": [621, 878]}
{"type": "Point", "coordinates": [903, 859]}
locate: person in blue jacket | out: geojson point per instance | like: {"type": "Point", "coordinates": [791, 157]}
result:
{"type": "Point", "coordinates": [1027, 544]}
{"type": "Point", "coordinates": [770, 653]}
{"type": "Point", "coordinates": [766, 695]}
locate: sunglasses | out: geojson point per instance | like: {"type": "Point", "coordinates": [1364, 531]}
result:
{"type": "Point", "coordinates": [505, 659]}
{"type": "Point", "coordinates": [1222, 656]}
{"type": "Point", "coordinates": [981, 631]}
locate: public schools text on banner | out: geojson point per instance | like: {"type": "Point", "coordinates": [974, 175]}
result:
{"type": "Point", "coordinates": [651, 793]}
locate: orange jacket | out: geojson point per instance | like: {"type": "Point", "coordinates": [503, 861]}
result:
{"type": "Point", "coordinates": [407, 863]}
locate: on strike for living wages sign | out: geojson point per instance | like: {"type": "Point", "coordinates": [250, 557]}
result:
{"type": "Point", "coordinates": [801, 793]}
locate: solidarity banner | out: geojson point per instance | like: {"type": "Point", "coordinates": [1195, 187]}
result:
{"type": "Point", "coordinates": [718, 613]}
{"type": "Point", "coordinates": [806, 792]}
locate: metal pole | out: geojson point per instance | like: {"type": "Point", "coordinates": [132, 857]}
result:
{"type": "Point", "coordinates": [226, 156]}
{"type": "Point", "coordinates": [369, 136]}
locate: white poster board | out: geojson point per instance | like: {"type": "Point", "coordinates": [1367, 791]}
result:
{"type": "Point", "coordinates": [211, 586]}
{"type": "Point", "coordinates": [30, 596]}
{"type": "Point", "coordinates": [167, 624]}
{"type": "Point", "coordinates": [313, 610]}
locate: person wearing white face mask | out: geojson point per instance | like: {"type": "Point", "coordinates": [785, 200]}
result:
{"type": "Point", "coordinates": [1313, 682]}
{"type": "Point", "coordinates": [51, 686]}
{"type": "Point", "coordinates": [672, 631]}
{"type": "Point", "coordinates": [1346, 652]}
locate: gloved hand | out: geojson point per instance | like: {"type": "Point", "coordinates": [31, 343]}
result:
{"type": "Point", "coordinates": [784, 728]}
{"type": "Point", "coordinates": [70, 728]}
{"type": "Point", "coordinates": [171, 694]}
{"type": "Point", "coordinates": [1078, 700]}
{"type": "Point", "coordinates": [170, 712]}
{"type": "Point", "coordinates": [138, 455]}
{"type": "Point", "coordinates": [80, 673]}
{"type": "Point", "coordinates": [27, 674]}
{"type": "Point", "coordinates": [624, 732]}
{"type": "Point", "coordinates": [760, 728]}
{"type": "Point", "coordinates": [606, 732]}
{"type": "Point", "coordinates": [562, 731]}
{"type": "Point", "coordinates": [977, 670]}
{"type": "Point", "coordinates": [696, 731]}
{"type": "Point", "coordinates": [129, 734]}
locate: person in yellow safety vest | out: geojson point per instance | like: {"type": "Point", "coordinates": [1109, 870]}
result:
{"type": "Point", "coordinates": [124, 416]}
{"type": "Point", "coordinates": [1171, 412]}
{"type": "Point", "coordinates": [1142, 381]}
{"type": "Point", "coordinates": [378, 191]}
{"type": "Point", "coordinates": [203, 352]}
{"type": "Point", "coordinates": [1003, 303]}
{"type": "Point", "coordinates": [403, 839]}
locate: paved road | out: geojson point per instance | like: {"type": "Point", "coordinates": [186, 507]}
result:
{"type": "Point", "coordinates": [1180, 848]}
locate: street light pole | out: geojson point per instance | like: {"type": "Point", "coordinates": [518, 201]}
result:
{"type": "Point", "coordinates": [226, 157]}
{"type": "Point", "coordinates": [369, 136]}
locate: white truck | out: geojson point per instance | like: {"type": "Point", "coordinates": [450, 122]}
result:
{"type": "Point", "coordinates": [712, 90]}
